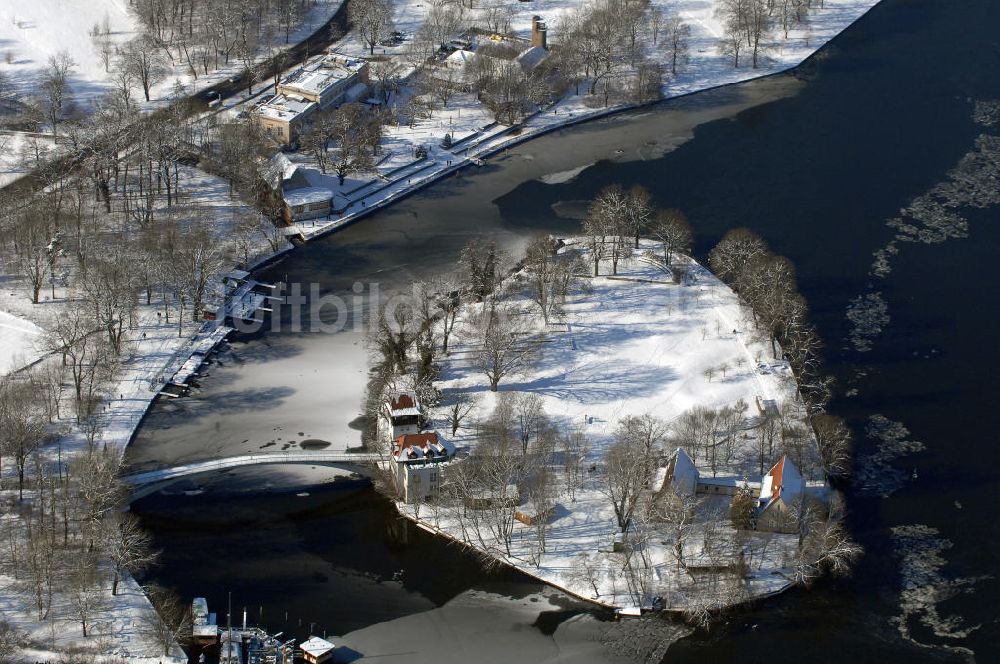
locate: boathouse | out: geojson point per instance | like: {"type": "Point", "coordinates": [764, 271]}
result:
{"type": "Point", "coordinates": [316, 650]}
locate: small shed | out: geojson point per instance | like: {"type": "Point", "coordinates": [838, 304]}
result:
{"type": "Point", "coordinates": [316, 650]}
{"type": "Point", "coordinates": [530, 515]}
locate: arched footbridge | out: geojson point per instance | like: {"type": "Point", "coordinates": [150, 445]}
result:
{"type": "Point", "coordinates": [150, 481]}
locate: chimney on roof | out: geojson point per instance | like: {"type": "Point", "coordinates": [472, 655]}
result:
{"type": "Point", "coordinates": [538, 32]}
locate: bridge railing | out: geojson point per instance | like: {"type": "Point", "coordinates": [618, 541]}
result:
{"type": "Point", "coordinates": [196, 467]}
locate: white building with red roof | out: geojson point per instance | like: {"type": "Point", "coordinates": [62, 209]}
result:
{"type": "Point", "coordinates": [782, 492]}
{"type": "Point", "coordinates": [418, 458]}
{"type": "Point", "coordinates": [401, 415]}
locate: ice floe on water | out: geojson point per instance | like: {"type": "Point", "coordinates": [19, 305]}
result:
{"type": "Point", "coordinates": [986, 113]}
{"type": "Point", "coordinates": [934, 217]}
{"type": "Point", "coordinates": [563, 177]}
{"type": "Point", "coordinates": [874, 471]}
{"type": "Point", "coordinates": [869, 314]}
{"type": "Point", "coordinates": [925, 586]}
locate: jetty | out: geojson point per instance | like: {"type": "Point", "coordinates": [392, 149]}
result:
{"type": "Point", "coordinates": [244, 300]}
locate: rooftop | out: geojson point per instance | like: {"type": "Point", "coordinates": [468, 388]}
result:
{"type": "Point", "coordinates": [417, 446]}
{"type": "Point", "coordinates": [316, 646]}
{"type": "Point", "coordinates": [307, 195]}
{"type": "Point", "coordinates": [321, 73]}
{"type": "Point", "coordinates": [284, 107]}
{"type": "Point", "coordinates": [404, 403]}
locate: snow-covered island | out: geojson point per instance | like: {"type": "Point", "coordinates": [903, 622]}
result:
{"type": "Point", "coordinates": [643, 447]}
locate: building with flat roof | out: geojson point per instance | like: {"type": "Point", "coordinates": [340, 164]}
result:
{"type": "Point", "coordinates": [283, 117]}
{"type": "Point", "coordinates": [322, 82]}
{"type": "Point", "coordinates": [326, 79]}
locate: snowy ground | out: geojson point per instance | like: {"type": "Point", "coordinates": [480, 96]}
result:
{"type": "Point", "coordinates": [19, 151]}
{"type": "Point", "coordinates": [31, 31]}
{"type": "Point", "coordinates": [18, 342]}
{"type": "Point", "coordinates": [638, 344]}
{"type": "Point", "coordinates": [120, 629]}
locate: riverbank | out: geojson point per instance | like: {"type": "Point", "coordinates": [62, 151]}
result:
{"type": "Point", "coordinates": [707, 69]}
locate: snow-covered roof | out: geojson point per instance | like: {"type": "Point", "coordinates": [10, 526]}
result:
{"type": "Point", "coordinates": [205, 630]}
{"type": "Point", "coordinates": [199, 607]}
{"type": "Point", "coordinates": [316, 646]}
{"type": "Point", "coordinates": [404, 404]}
{"type": "Point", "coordinates": [320, 74]}
{"type": "Point", "coordinates": [682, 473]}
{"type": "Point", "coordinates": [683, 466]}
{"type": "Point", "coordinates": [307, 195]}
{"type": "Point", "coordinates": [532, 57]}
{"type": "Point", "coordinates": [284, 107]}
{"type": "Point", "coordinates": [421, 446]}
{"type": "Point", "coordinates": [279, 169]}
{"type": "Point", "coordinates": [782, 481]}
{"type": "Point", "coordinates": [235, 275]}
{"type": "Point", "coordinates": [459, 59]}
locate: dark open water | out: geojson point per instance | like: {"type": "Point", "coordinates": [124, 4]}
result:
{"type": "Point", "coordinates": [885, 112]}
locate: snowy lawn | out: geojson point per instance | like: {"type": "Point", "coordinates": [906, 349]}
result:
{"type": "Point", "coordinates": [32, 31]}
{"type": "Point", "coordinates": [637, 344]}
{"type": "Point", "coordinates": [19, 340]}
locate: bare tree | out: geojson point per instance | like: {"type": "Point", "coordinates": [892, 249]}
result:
{"type": "Point", "coordinates": [22, 425]}
{"type": "Point", "coordinates": [767, 432]}
{"type": "Point", "coordinates": [626, 475]}
{"type": "Point", "coordinates": [826, 546]}
{"type": "Point", "coordinates": [460, 405]}
{"type": "Point", "coordinates": [55, 86]}
{"type": "Point", "coordinates": [348, 131]}
{"type": "Point", "coordinates": [747, 24]}
{"type": "Point", "coordinates": [539, 273]}
{"type": "Point", "coordinates": [386, 75]}
{"type": "Point", "coordinates": [671, 227]}
{"type": "Point", "coordinates": [170, 621]}
{"type": "Point", "coordinates": [372, 19]}
{"type": "Point", "coordinates": [142, 59]}
{"type": "Point", "coordinates": [542, 498]}
{"type": "Point", "coordinates": [530, 420]}
{"type": "Point", "coordinates": [734, 253]}
{"type": "Point", "coordinates": [482, 267]}
{"type": "Point", "coordinates": [574, 449]}
{"type": "Point", "coordinates": [506, 344]}
{"type": "Point", "coordinates": [835, 443]}
{"type": "Point", "coordinates": [638, 211]}
{"type": "Point", "coordinates": [495, 470]}
{"type": "Point", "coordinates": [34, 240]}
{"type": "Point", "coordinates": [646, 433]}
{"type": "Point", "coordinates": [85, 595]}
{"type": "Point", "coordinates": [11, 641]}
{"type": "Point", "coordinates": [127, 545]}
{"type": "Point", "coordinates": [393, 335]}
{"type": "Point", "coordinates": [695, 431]}
{"type": "Point", "coordinates": [677, 35]}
